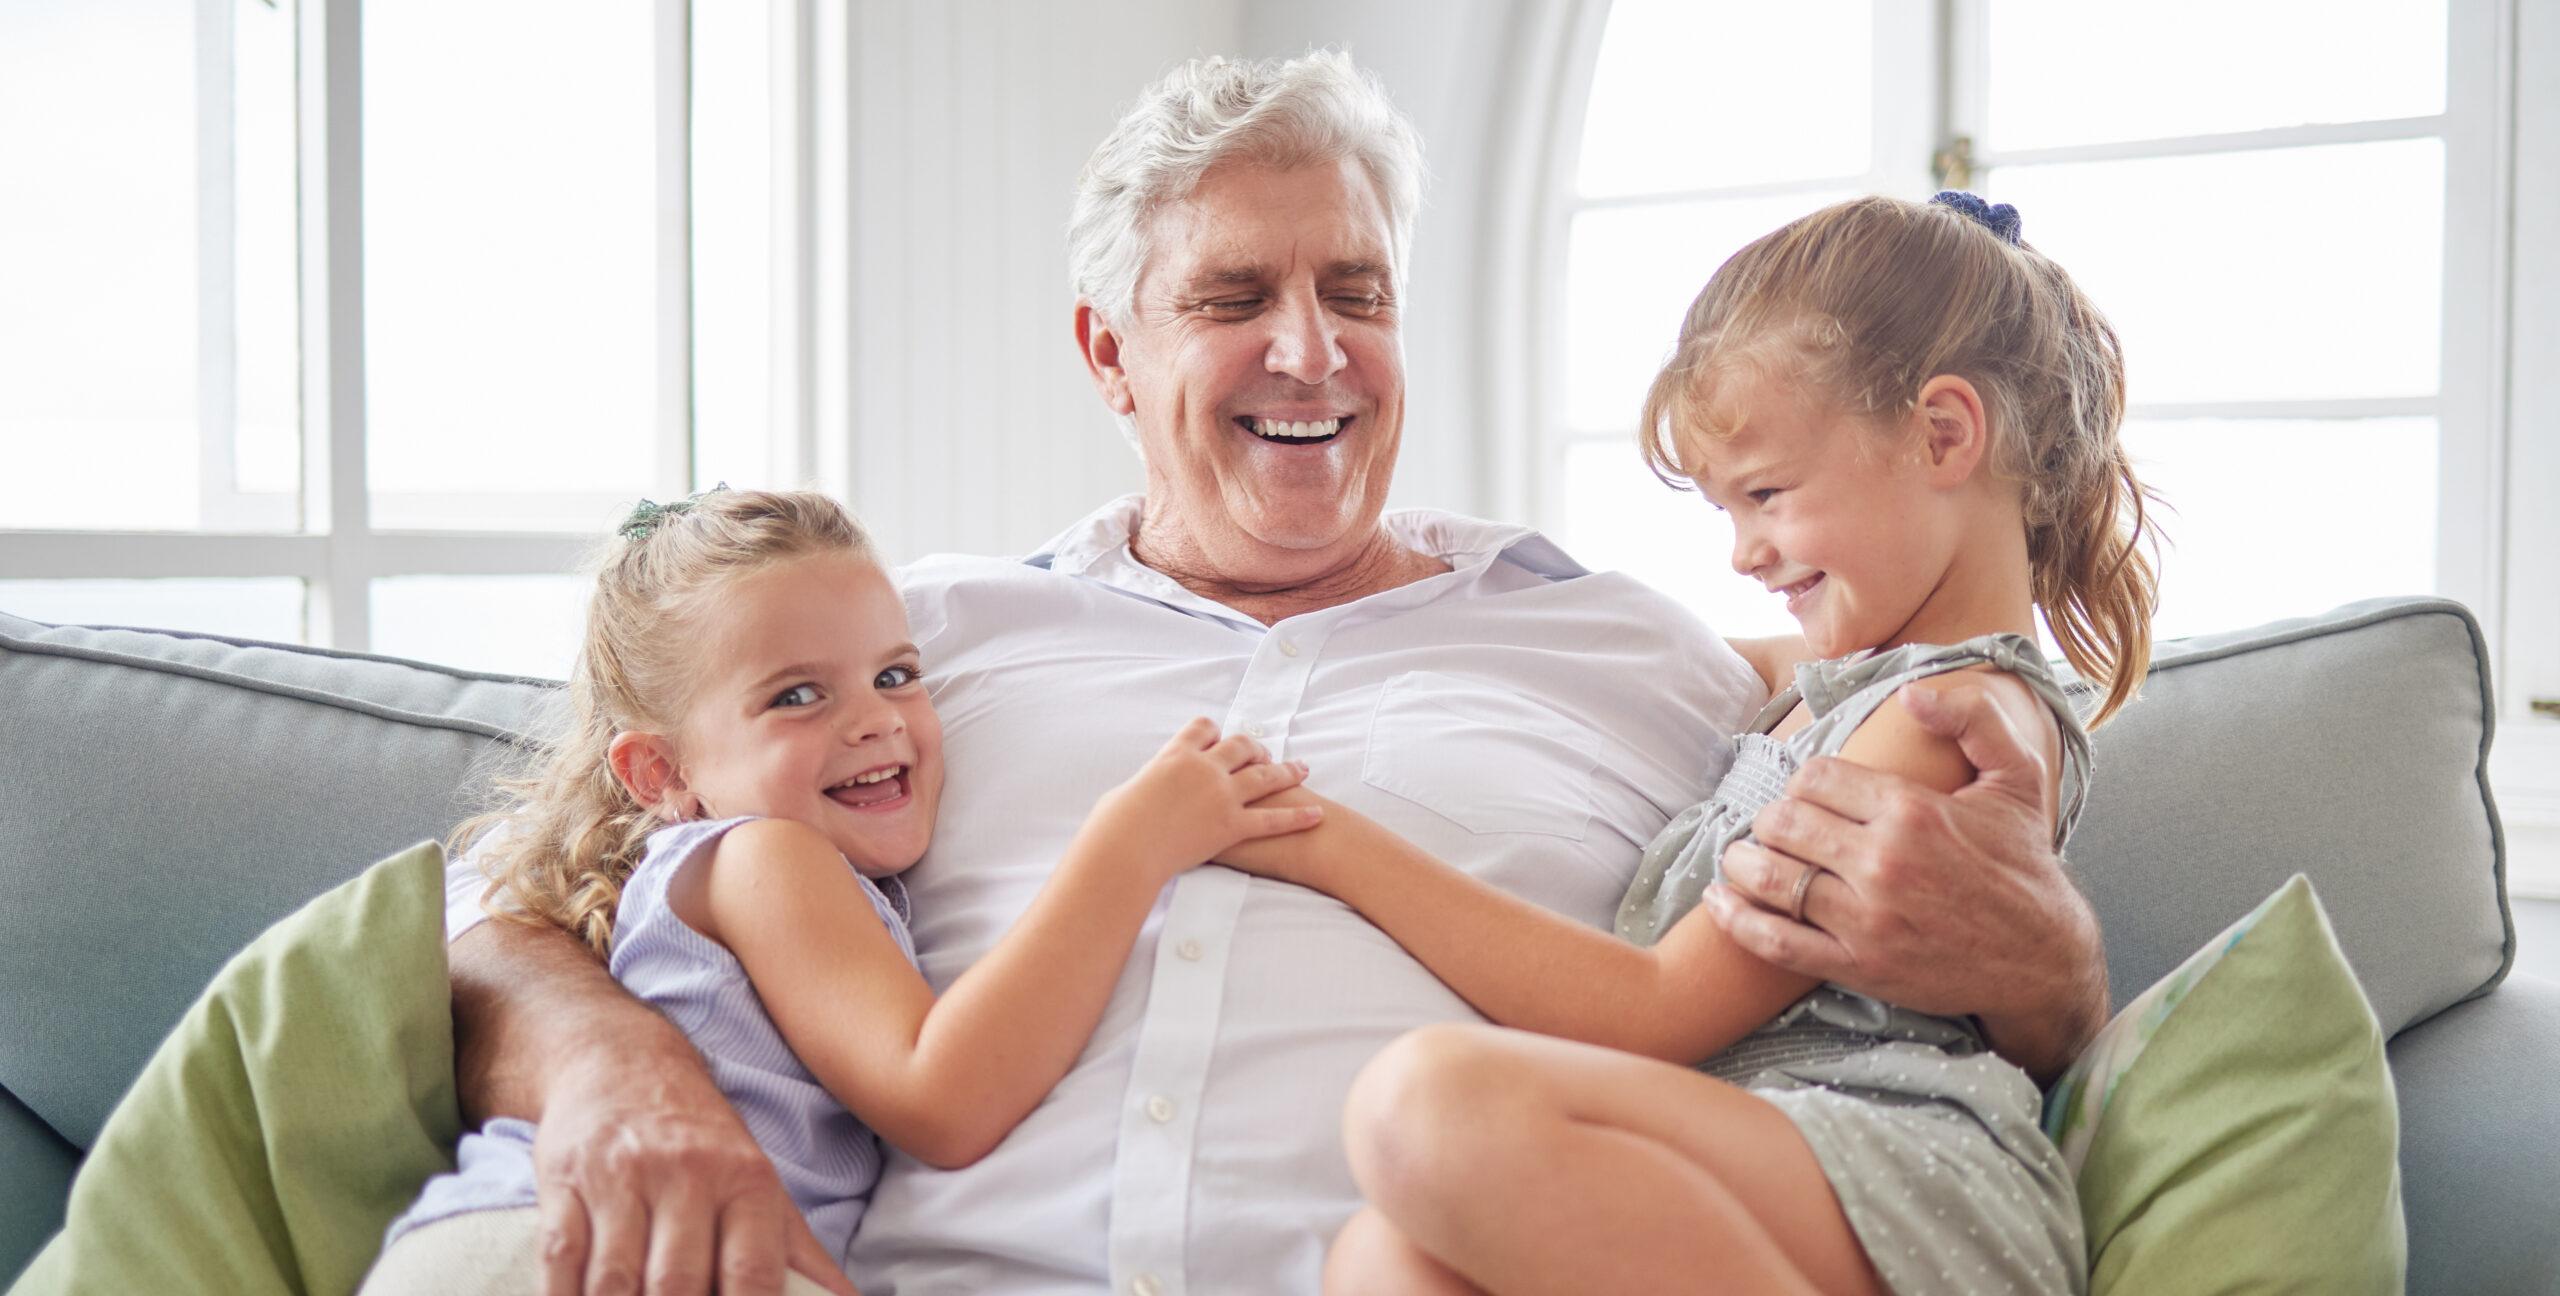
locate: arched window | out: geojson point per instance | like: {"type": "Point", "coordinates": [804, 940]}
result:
{"type": "Point", "coordinates": [2286, 208]}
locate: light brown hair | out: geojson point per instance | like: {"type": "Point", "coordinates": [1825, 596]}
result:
{"type": "Point", "coordinates": [569, 833]}
{"type": "Point", "coordinates": [1865, 301]}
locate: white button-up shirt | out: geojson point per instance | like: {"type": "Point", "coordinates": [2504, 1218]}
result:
{"type": "Point", "coordinates": [1517, 716]}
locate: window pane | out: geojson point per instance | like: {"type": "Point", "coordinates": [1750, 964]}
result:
{"type": "Point", "coordinates": [511, 625]}
{"type": "Point", "coordinates": [510, 255]}
{"type": "Point", "coordinates": [732, 244]}
{"type": "Point", "coordinates": [2199, 67]}
{"type": "Point", "coordinates": [1693, 93]}
{"type": "Point", "coordinates": [2286, 274]}
{"type": "Point", "coordinates": [1619, 517]}
{"type": "Point", "coordinates": [1630, 275]}
{"type": "Point", "coordinates": [261, 608]}
{"type": "Point", "coordinates": [267, 440]}
{"type": "Point", "coordinates": [98, 259]}
{"type": "Point", "coordinates": [2273, 519]}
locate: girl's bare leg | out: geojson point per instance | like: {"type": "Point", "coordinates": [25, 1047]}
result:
{"type": "Point", "coordinates": [1536, 1165]}
{"type": "Point", "coordinates": [1370, 1257]}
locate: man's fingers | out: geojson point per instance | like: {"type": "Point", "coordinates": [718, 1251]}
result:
{"type": "Point", "coordinates": [1805, 831]}
{"type": "Point", "coordinates": [1845, 788]}
{"type": "Point", "coordinates": [750, 1249]}
{"type": "Point", "coordinates": [1777, 939]}
{"type": "Point", "coordinates": [564, 1242]}
{"type": "Point", "coordinates": [1983, 727]}
{"type": "Point", "coordinates": [680, 1247]}
{"type": "Point", "coordinates": [812, 1261]}
{"type": "Point", "coordinates": [617, 1244]}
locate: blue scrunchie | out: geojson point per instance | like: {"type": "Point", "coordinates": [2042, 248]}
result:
{"type": "Point", "coordinates": [1999, 218]}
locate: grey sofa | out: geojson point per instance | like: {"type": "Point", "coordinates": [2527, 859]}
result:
{"type": "Point", "coordinates": [164, 797]}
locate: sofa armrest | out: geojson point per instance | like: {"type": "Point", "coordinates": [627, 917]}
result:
{"type": "Point", "coordinates": [2480, 1142]}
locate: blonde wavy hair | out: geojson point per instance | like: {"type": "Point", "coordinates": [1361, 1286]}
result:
{"type": "Point", "coordinates": [568, 833]}
{"type": "Point", "coordinates": [1869, 299]}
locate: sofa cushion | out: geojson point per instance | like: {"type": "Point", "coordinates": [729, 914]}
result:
{"type": "Point", "coordinates": [2351, 747]}
{"type": "Point", "coordinates": [218, 785]}
{"type": "Point", "coordinates": [289, 1117]}
{"type": "Point", "coordinates": [2233, 1128]}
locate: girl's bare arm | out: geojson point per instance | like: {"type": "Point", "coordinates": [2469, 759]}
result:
{"type": "Point", "coordinates": [1693, 993]}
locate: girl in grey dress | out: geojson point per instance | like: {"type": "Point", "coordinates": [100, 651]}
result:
{"type": "Point", "coordinates": [1912, 418]}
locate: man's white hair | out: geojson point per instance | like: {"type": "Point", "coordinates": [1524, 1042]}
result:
{"type": "Point", "coordinates": [1312, 109]}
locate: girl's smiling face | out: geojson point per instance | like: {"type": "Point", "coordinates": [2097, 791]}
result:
{"type": "Point", "coordinates": [1835, 514]}
{"type": "Point", "coordinates": [811, 706]}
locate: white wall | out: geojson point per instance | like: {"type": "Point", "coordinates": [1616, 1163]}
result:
{"type": "Point", "coordinates": [972, 424]}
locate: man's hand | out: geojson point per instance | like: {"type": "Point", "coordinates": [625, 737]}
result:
{"type": "Point", "coordinates": [662, 1191]}
{"type": "Point", "coordinates": [1944, 903]}
{"type": "Point", "coordinates": [647, 1180]}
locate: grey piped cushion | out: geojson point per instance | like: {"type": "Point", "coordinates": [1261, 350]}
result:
{"type": "Point", "coordinates": [163, 798]}
{"type": "Point", "coordinates": [2352, 747]}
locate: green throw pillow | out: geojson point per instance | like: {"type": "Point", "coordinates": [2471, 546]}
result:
{"type": "Point", "coordinates": [2234, 1128]}
{"type": "Point", "coordinates": [292, 1113]}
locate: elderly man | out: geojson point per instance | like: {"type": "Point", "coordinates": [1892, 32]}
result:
{"type": "Point", "coordinates": [1239, 247]}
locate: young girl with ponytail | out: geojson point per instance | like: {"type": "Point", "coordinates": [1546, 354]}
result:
{"type": "Point", "coordinates": [749, 762]}
{"type": "Point", "coordinates": [1912, 418]}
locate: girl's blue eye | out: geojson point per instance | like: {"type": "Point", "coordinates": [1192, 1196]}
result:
{"type": "Point", "coordinates": [798, 695]}
{"type": "Point", "coordinates": [1762, 495]}
{"type": "Point", "coordinates": [897, 677]}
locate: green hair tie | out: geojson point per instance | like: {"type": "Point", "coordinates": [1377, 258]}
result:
{"type": "Point", "coordinates": [647, 516]}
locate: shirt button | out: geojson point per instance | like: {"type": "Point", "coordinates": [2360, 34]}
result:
{"type": "Point", "coordinates": [1145, 1285]}
{"type": "Point", "coordinates": [1160, 1109]}
{"type": "Point", "coordinates": [1288, 649]}
{"type": "Point", "coordinates": [1189, 950]}
{"type": "Point", "coordinates": [1253, 731]}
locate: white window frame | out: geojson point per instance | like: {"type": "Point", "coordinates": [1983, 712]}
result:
{"type": "Point", "coordinates": [2500, 352]}
{"type": "Point", "coordinates": [329, 542]}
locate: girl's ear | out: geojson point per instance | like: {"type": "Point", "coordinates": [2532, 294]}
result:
{"type": "Point", "coordinates": [1955, 431]}
{"type": "Point", "coordinates": [645, 765]}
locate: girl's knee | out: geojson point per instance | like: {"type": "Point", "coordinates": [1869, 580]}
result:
{"type": "Point", "coordinates": [1429, 1108]}
{"type": "Point", "coordinates": [1371, 1255]}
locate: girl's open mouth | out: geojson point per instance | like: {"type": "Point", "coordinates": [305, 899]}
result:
{"type": "Point", "coordinates": [876, 790]}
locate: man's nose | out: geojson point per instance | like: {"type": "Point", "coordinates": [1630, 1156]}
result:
{"type": "Point", "coordinates": [1305, 343]}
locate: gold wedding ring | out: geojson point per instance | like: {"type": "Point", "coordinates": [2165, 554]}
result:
{"type": "Point", "coordinates": [1804, 887]}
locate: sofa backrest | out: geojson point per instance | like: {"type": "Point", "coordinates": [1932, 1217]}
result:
{"type": "Point", "coordinates": [2352, 747]}
{"type": "Point", "coordinates": [164, 798]}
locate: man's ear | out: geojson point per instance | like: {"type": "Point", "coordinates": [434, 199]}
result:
{"type": "Point", "coordinates": [645, 765]}
{"type": "Point", "coordinates": [1955, 431]}
{"type": "Point", "coordinates": [1099, 344]}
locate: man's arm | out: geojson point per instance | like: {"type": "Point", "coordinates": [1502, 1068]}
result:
{"type": "Point", "coordinates": [648, 1180]}
{"type": "Point", "coordinates": [1949, 903]}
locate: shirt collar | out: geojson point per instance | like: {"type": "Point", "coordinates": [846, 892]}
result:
{"type": "Point", "coordinates": [1097, 546]}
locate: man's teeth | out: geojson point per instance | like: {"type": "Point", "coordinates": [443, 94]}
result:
{"type": "Point", "coordinates": [1287, 430]}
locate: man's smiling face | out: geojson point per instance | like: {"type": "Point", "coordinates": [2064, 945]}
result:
{"type": "Point", "coordinates": [1264, 369]}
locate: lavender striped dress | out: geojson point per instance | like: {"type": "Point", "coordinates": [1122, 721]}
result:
{"type": "Point", "coordinates": [827, 1158]}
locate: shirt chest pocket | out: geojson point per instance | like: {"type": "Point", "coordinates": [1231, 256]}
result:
{"type": "Point", "coordinates": [1487, 760]}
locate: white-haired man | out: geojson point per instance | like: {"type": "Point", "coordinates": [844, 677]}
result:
{"type": "Point", "coordinates": [1239, 246]}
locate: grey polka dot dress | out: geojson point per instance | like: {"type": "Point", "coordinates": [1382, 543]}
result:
{"type": "Point", "coordinates": [1931, 1141]}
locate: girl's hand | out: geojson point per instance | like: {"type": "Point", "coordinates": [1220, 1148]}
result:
{"type": "Point", "coordinates": [1195, 799]}
{"type": "Point", "coordinates": [1291, 857]}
